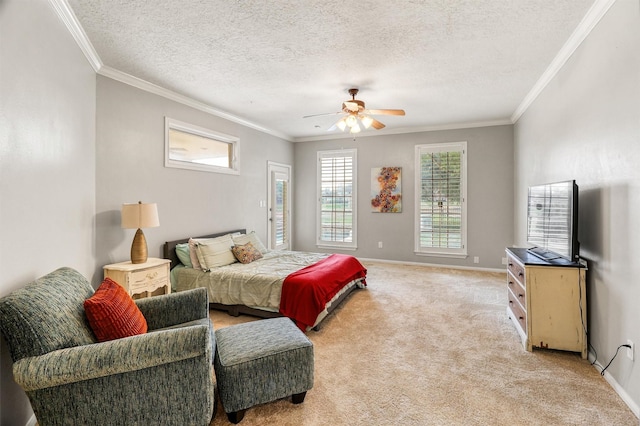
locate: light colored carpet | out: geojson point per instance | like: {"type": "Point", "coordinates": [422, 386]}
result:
{"type": "Point", "coordinates": [433, 346]}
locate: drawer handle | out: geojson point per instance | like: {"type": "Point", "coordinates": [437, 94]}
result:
{"type": "Point", "coordinates": [151, 276]}
{"type": "Point", "coordinates": [510, 302]}
{"type": "Point", "coordinates": [520, 274]}
{"type": "Point", "coordinates": [510, 264]}
{"type": "Point", "coordinates": [521, 318]}
{"type": "Point", "coordinates": [520, 295]}
{"type": "Point", "coordinates": [510, 282]}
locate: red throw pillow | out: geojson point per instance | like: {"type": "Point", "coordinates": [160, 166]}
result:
{"type": "Point", "coordinates": [112, 313]}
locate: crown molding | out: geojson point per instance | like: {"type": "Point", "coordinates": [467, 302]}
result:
{"type": "Point", "coordinates": [593, 16]}
{"type": "Point", "coordinates": [402, 130]}
{"type": "Point", "coordinates": [70, 20]}
{"type": "Point", "coordinates": [590, 20]}
{"type": "Point", "coordinates": [141, 84]}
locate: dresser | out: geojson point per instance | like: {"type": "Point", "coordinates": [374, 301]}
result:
{"type": "Point", "coordinates": [547, 301]}
{"type": "Point", "coordinates": [141, 279]}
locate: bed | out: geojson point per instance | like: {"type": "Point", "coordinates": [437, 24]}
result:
{"type": "Point", "coordinates": [304, 286]}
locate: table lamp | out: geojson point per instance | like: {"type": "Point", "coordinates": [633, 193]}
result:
{"type": "Point", "coordinates": [138, 216]}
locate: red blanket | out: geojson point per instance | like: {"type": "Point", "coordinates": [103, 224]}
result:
{"type": "Point", "coordinates": [306, 291]}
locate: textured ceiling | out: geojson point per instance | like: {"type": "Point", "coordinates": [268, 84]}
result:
{"type": "Point", "coordinates": [445, 62]}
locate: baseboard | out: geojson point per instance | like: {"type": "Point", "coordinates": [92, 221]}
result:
{"type": "Point", "coordinates": [616, 386]}
{"type": "Point", "coordinates": [434, 265]}
{"type": "Point", "coordinates": [32, 421]}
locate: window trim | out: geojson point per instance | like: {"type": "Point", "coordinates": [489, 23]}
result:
{"type": "Point", "coordinates": [460, 253]}
{"type": "Point", "coordinates": [171, 124]}
{"type": "Point", "coordinates": [353, 245]}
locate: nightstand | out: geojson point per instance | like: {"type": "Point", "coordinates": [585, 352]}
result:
{"type": "Point", "coordinates": [141, 279]}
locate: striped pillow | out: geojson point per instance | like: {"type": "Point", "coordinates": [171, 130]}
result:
{"type": "Point", "coordinates": [112, 313]}
{"type": "Point", "coordinates": [215, 253]}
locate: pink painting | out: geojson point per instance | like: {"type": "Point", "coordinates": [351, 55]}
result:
{"type": "Point", "coordinates": [386, 189]}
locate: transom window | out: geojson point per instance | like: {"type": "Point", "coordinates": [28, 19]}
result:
{"type": "Point", "coordinates": [196, 148]}
{"type": "Point", "coordinates": [441, 223]}
{"type": "Point", "coordinates": [337, 199]}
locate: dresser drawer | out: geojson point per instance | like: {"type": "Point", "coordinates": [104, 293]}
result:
{"type": "Point", "coordinates": [517, 290]}
{"type": "Point", "coordinates": [516, 270]}
{"type": "Point", "coordinates": [518, 311]}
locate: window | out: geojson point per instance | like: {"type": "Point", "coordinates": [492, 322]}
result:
{"type": "Point", "coordinates": [337, 199]}
{"type": "Point", "coordinates": [195, 148]}
{"type": "Point", "coordinates": [441, 223]}
{"type": "Point", "coordinates": [280, 211]}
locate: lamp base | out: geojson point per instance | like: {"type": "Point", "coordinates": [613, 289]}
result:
{"type": "Point", "coordinates": [139, 248]}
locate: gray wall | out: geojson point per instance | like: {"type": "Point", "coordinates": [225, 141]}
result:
{"type": "Point", "coordinates": [489, 193]}
{"type": "Point", "coordinates": [130, 168]}
{"type": "Point", "coordinates": [586, 126]}
{"type": "Point", "coordinates": [61, 186]}
{"type": "Point", "coordinates": [47, 161]}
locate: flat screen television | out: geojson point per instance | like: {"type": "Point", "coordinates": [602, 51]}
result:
{"type": "Point", "coordinates": [552, 221]}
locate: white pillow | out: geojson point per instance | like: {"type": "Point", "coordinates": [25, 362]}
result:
{"type": "Point", "coordinates": [193, 254]}
{"type": "Point", "coordinates": [252, 238]}
{"type": "Point", "coordinates": [214, 254]}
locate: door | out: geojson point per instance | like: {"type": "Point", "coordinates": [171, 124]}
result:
{"type": "Point", "coordinates": [279, 206]}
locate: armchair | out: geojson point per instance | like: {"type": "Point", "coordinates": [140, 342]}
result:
{"type": "Point", "coordinates": [161, 377]}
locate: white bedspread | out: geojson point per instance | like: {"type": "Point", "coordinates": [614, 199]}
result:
{"type": "Point", "coordinates": [257, 284]}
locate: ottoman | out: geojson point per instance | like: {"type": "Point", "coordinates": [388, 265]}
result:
{"type": "Point", "coordinates": [261, 361]}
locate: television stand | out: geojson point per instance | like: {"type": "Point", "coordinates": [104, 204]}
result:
{"type": "Point", "coordinates": [547, 301]}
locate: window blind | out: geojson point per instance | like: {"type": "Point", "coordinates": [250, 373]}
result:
{"type": "Point", "coordinates": [441, 202]}
{"type": "Point", "coordinates": [281, 212]}
{"type": "Point", "coordinates": [337, 197]}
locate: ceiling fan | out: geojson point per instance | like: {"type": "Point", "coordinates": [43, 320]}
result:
{"type": "Point", "coordinates": [356, 114]}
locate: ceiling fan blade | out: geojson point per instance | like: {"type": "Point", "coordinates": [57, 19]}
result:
{"type": "Point", "coordinates": [376, 124]}
{"type": "Point", "coordinates": [320, 115]}
{"type": "Point", "coordinates": [385, 111]}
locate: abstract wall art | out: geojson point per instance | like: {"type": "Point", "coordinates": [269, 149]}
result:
{"type": "Point", "coordinates": [386, 189]}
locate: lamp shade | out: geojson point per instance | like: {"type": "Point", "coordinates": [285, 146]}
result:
{"type": "Point", "coordinates": [137, 216]}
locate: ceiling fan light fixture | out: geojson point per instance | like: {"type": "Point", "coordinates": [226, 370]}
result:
{"type": "Point", "coordinates": [355, 114]}
{"type": "Point", "coordinates": [366, 121]}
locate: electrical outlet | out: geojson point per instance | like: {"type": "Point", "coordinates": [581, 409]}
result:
{"type": "Point", "coordinates": [379, 244]}
{"type": "Point", "coordinates": [504, 260]}
{"type": "Point", "coordinates": [630, 350]}
{"type": "Point", "coordinates": [476, 259]}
